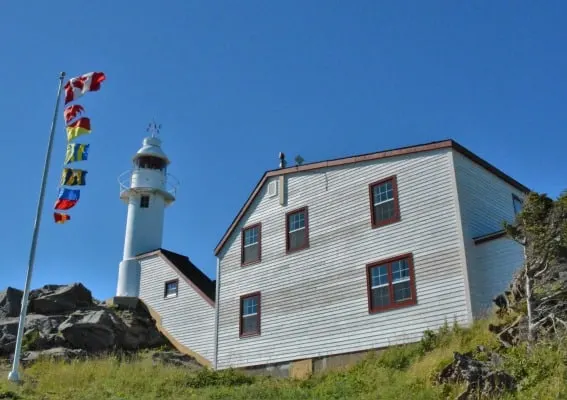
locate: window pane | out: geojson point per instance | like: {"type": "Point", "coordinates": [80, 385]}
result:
{"type": "Point", "coordinates": [297, 239]}
{"type": "Point", "coordinates": [144, 202]}
{"type": "Point", "coordinates": [170, 288]}
{"type": "Point", "coordinates": [384, 211]}
{"type": "Point", "coordinates": [402, 291]}
{"type": "Point", "coordinates": [379, 275]}
{"type": "Point", "coordinates": [250, 236]}
{"type": "Point", "coordinates": [381, 296]}
{"type": "Point", "coordinates": [400, 270]}
{"type": "Point", "coordinates": [250, 306]}
{"type": "Point", "coordinates": [383, 192]}
{"type": "Point", "coordinates": [251, 253]}
{"type": "Point", "coordinates": [296, 221]}
{"type": "Point", "coordinates": [250, 324]}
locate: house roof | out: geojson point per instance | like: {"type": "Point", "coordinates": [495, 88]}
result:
{"type": "Point", "coordinates": [181, 264]}
{"type": "Point", "coordinates": [443, 144]}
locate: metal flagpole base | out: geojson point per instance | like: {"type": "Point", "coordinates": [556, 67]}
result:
{"type": "Point", "coordinates": [14, 376]}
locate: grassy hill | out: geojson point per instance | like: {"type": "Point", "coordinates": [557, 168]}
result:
{"type": "Point", "coordinates": [404, 372]}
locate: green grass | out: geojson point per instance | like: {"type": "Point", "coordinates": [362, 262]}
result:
{"type": "Point", "coordinates": [402, 372]}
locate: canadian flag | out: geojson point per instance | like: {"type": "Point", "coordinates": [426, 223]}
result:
{"type": "Point", "coordinates": [78, 86]}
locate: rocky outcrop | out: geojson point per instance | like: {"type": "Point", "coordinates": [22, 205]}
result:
{"type": "Point", "coordinates": [482, 378]}
{"type": "Point", "coordinates": [65, 322]}
{"type": "Point", "coordinates": [10, 302]}
{"type": "Point", "coordinates": [56, 299]}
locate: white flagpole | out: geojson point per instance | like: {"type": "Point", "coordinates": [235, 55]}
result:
{"type": "Point", "coordinates": [14, 373]}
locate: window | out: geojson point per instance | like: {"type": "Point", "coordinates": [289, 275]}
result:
{"type": "Point", "coordinates": [171, 288]}
{"type": "Point", "coordinates": [384, 206]}
{"type": "Point", "coordinates": [518, 204]}
{"type": "Point", "coordinates": [144, 201]}
{"type": "Point", "coordinates": [250, 314]}
{"type": "Point", "coordinates": [251, 246]}
{"type": "Point", "coordinates": [151, 162]}
{"type": "Point", "coordinates": [391, 284]}
{"type": "Point", "coordinates": [297, 230]}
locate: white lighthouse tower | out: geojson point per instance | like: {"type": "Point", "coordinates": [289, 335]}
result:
{"type": "Point", "coordinates": [146, 190]}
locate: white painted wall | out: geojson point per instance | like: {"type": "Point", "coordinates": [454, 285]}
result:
{"type": "Point", "coordinates": [485, 202]}
{"type": "Point", "coordinates": [314, 302]}
{"type": "Point", "coordinates": [189, 318]}
{"type": "Point", "coordinates": [495, 264]}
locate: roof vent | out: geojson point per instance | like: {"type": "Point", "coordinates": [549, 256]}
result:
{"type": "Point", "coordinates": [299, 160]}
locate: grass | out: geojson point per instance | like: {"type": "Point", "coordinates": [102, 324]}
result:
{"type": "Point", "coordinates": [401, 372]}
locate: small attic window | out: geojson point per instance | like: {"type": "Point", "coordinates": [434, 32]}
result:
{"type": "Point", "coordinates": [171, 288]}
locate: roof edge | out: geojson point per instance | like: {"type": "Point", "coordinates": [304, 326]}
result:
{"type": "Point", "coordinates": [442, 144]}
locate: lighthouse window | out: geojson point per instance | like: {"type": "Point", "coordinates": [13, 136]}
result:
{"type": "Point", "coordinates": [144, 201]}
{"type": "Point", "coordinates": [150, 162]}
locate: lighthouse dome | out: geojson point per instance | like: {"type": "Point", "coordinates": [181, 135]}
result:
{"type": "Point", "coordinates": [151, 148]}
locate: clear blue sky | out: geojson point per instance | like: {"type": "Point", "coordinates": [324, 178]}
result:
{"type": "Point", "coordinates": [234, 83]}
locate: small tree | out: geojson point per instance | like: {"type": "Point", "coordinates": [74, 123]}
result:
{"type": "Point", "coordinates": [541, 227]}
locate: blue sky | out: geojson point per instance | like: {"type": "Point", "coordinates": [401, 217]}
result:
{"type": "Point", "coordinates": [234, 83]}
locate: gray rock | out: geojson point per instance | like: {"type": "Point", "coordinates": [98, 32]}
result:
{"type": "Point", "coordinates": [56, 354]}
{"type": "Point", "coordinates": [10, 303]}
{"type": "Point", "coordinates": [140, 331]}
{"type": "Point", "coordinates": [54, 299]}
{"type": "Point", "coordinates": [176, 359]}
{"type": "Point", "coordinates": [93, 330]}
{"type": "Point", "coordinates": [8, 332]}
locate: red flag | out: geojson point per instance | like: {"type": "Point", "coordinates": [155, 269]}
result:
{"type": "Point", "coordinates": [61, 218]}
{"type": "Point", "coordinates": [78, 86]}
{"type": "Point", "coordinates": [72, 111]}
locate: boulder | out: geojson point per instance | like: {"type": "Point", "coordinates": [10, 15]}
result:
{"type": "Point", "coordinates": [176, 359]}
{"type": "Point", "coordinates": [56, 354]}
{"type": "Point", "coordinates": [8, 333]}
{"type": "Point", "coordinates": [55, 299]}
{"type": "Point", "coordinates": [140, 331]}
{"type": "Point", "coordinates": [92, 330]}
{"type": "Point", "coordinates": [10, 303]}
{"type": "Point", "coordinates": [483, 379]}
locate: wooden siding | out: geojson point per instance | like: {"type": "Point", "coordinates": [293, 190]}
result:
{"type": "Point", "coordinates": [314, 301]}
{"type": "Point", "coordinates": [485, 202]}
{"type": "Point", "coordinates": [188, 317]}
{"type": "Point", "coordinates": [495, 264]}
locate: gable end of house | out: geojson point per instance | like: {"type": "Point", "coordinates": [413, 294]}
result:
{"type": "Point", "coordinates": [444, 144]}
{"type": "Point", "coordinates": [186, 270]}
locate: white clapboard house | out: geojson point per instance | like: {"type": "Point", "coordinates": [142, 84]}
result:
{"type": "Point", "coordinates": [341, 257]}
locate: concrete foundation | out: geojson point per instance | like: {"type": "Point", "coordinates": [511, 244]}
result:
{"type": "Point", "coordinates": [302, 369]}
{"type": "Point", "coordinates": [123, 302]}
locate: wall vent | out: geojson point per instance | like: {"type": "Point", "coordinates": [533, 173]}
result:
{"type": "Point", "coordinates": [273, 188]}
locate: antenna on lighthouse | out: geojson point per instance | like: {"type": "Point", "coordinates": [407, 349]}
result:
{"type": "Point", "coordinates": [153, 129]}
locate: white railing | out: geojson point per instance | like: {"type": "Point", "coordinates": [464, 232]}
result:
{"type": "Point", "coordinates": [125, 180]}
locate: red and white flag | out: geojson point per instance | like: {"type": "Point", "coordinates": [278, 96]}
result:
{"type": "Point", "coordinates": [78, 86]}
{"type": "Point", "coordinates": [72, 111]}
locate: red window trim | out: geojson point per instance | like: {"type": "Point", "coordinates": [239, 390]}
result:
{"type": "Point", "coordinates": [259, 259]}
{"type": "Point", "coordinates": [259, 319]}
{"type": "Point", "coordinates": [396, 216]}
{"type": "Point", "coordinates": [393, 305]}
{"type": "Point", "coordinates": [306, 245]}
{"type": "Point", "coordinates": [165, 288]}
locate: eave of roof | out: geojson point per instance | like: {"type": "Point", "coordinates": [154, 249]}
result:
{"type": "Point", "coordinates": [181, 264]}
{"type": "Point", "coordinates": [444, 144]}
